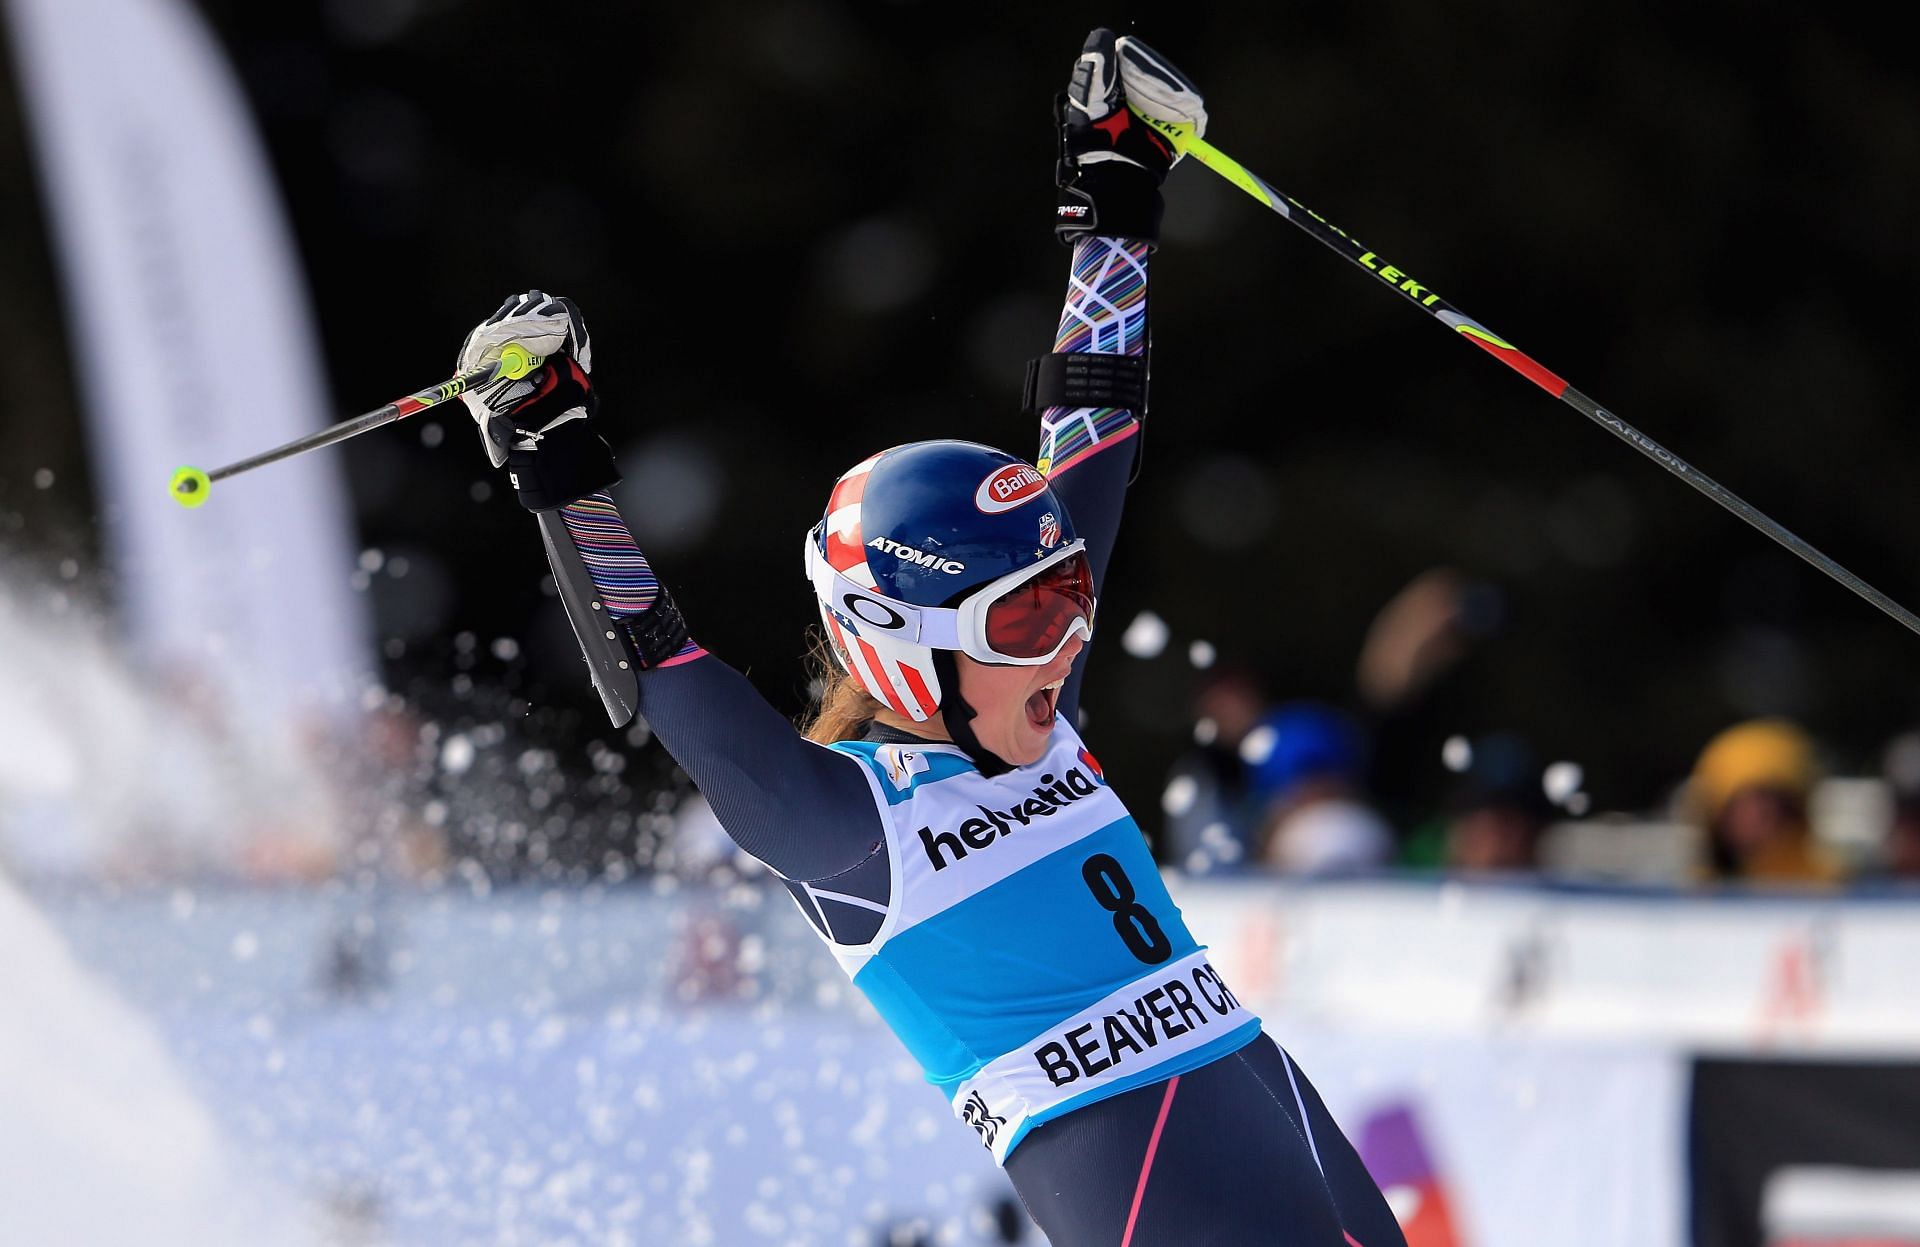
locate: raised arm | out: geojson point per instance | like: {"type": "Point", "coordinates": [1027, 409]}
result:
{"type": "Point", "coordinates": [804, 810]}
{"type": "Point", "coordinates": [1090, 393]}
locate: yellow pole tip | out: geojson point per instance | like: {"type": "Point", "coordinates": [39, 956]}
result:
{"type": "Point", "coordinates": [190, 487]}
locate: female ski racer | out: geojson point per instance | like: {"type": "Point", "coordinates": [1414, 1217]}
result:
{"type": "Point", "coordinates": [942, 825]}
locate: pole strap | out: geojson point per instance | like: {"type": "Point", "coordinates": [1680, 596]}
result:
{"type": "Point", "coordinates": [1080, 379]}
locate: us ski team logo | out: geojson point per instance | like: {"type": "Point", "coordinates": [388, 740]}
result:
{"type": "Point", "coordinates": [902, 764]}
{"type": "Point", "coordinates": [1049, 531]}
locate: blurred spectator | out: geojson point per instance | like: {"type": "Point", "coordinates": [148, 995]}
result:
{"type": "Point", "coordinates": [1901, 856]}
{"type": "Point", "coordinates": [1494, 812]}
{"type": "Point", "coordinates": [1210, 802]}
{"type": "Point", "coordinates": [1498, 810]}
{"type": "Point", "coordinates": [1307, 761]}
{"type": "Point", "coordinates": [1422, 670]}
{"type": "Point", "coordinates": [1903, 838]}
{"type": "Point", "coordinates": [387, 799]}
{"type": "Point", "coordinates": [1422, 631]}
{"type": "Point", "coordinates": [1750, 790]}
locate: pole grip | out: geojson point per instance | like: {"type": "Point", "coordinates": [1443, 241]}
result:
{"type": "Point", "coordinates": [516, 361]}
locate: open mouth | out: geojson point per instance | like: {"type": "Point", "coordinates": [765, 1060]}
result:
{"type": "Point", "coordinates": [1040, 706]}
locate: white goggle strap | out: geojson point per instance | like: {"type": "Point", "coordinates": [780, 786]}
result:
{"type": "Point", "coordinates": [865, 611]}
{"type": "Point", "coordinates": [862, 624]}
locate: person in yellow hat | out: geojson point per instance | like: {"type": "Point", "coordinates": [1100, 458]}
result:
{"type": "Point", "coordinates": [1750, 790]}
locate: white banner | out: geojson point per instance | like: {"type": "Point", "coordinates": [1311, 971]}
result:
{"type": "Point", "coordinates": [1509, 1142]}
{"type": "Point", "coordinates": [193, 344]}
{"type": "Point", "coordinates": [1746, 973]}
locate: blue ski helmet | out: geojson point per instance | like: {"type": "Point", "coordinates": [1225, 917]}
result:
{"type": "Point", "coordinates": [910, 538]}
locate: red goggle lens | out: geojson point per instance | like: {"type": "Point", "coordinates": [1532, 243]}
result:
{"type": "Point", "coordinates": [1031, 619]}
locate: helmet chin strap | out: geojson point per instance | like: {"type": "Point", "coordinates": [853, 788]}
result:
{"type": "Point", "coordinates": [958, 717]}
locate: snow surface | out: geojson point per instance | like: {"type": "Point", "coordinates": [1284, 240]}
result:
{"type": "Point", "coordinates": [100, 1139]}
{"type": "Point", "coordinates": [607, 1066]}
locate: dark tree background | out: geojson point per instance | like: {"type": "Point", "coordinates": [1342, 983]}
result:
{"type": "Point", "coordinates": [802, 232]}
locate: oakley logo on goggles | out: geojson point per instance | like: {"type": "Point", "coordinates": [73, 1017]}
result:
{"type": "Point", "coordinates": [1023, 619]}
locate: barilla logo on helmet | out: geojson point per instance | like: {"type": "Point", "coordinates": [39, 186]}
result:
{"type": "Point", "coordinates": [1006, 488]}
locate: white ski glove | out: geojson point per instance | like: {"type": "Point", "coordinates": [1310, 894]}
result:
{"type": "Point", "coordinates": [1149, 85]}
{"type": "Point", "coordinates": [546, 327]}
{"type": "Point", "coordinates": [538, 426]}
{"type": "Point", "coordinates": [1111, 165]}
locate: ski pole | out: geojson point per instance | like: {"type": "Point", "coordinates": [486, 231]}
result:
{"type": "Point", "coordinates": [190, 486]}
{"type": "Point", "coordinates": [1423, 297]}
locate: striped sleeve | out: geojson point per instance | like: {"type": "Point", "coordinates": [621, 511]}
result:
{"type": "Point", "coordinates": [620, 572]}
{"type": "Point", "coordinates": [1105, 314]}
{"type": "Point", "coordinates": [1088, 453]}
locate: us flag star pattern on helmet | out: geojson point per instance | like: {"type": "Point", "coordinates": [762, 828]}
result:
{"type": "Point", "coordinates": [901, 685]}
{"type": "Point", "coordinates": [846, 546]}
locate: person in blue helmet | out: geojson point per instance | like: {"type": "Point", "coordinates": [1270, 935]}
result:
{"type": "Point", "coordinates": [941, 824]}
{"type": "Point", "coordinates": [1307, 760]}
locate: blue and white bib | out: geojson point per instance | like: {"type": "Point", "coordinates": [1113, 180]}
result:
{"type": "Point", "coordinates": [1029, 955]}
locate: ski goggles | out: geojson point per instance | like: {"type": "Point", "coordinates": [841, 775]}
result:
{"type": "Point", "coordinates": [1023, 619]}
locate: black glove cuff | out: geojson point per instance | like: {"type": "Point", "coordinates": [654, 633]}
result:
{"type": "Point", "coordinates": [657, 633]}
{"type": "Point", "coordinates": [1112, 199]}
{"type": "Point", "coordinates": [1081, 379]}
{"type": "Point", "coordinates": [564, 466]}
